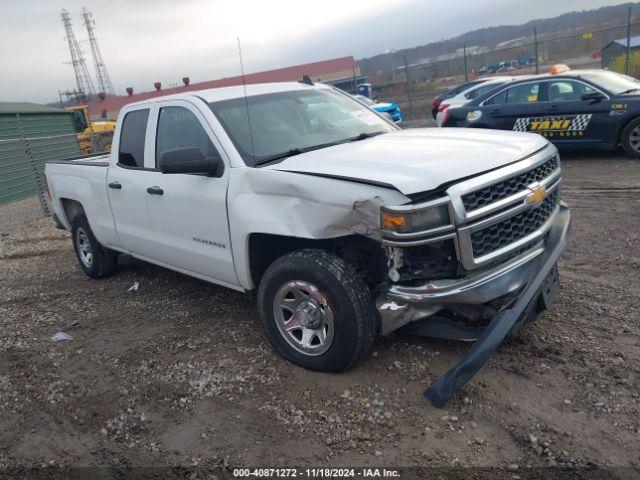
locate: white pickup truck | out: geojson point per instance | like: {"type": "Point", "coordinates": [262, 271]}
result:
{"type": "Point", "coordinates": [343, 225]}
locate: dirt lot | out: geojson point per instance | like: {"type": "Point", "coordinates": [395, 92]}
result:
{"type": "Point", "coordinates": [179, 373]}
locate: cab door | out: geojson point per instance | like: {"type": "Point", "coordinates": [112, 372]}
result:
{"type": "Point", "coordinates": [515, 107]}
{"type": "Point", "coordinates": [127, 180]}
{"type": "Point", "coordinates": [189, 211]}
{"type": "Point", "coordinates": [569, 119]}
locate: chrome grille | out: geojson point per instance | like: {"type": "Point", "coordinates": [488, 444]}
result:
{"type": "Point", "coordinates": [498, 191]}
{"type": "Point", "coordinates": [514, 228]}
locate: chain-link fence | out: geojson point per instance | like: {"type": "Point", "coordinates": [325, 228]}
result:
{"type": "Point", "coordinates": [413, 85]}
{"type": "Point", "coordinates": [27, 142]}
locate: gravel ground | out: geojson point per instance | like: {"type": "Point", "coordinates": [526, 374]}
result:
{"type": "Point", "coordinates": [179, 374]}
{"type": "Point", "coordinates": [19, 212]}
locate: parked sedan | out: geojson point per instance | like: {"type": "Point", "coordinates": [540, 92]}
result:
{"type": "Point", "coordinates": [391, 110]}
{"type": "Point", "coordinates": [574, 108]}
{"type": "Point", "coordinates": [465, 96]}
{"type": "Point", "coordinates": [452, 93]}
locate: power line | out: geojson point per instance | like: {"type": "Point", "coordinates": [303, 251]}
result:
{"type": "Point", "coordinates": [83, 80]}
{"type": "Point", "coordinates": [104, 81]}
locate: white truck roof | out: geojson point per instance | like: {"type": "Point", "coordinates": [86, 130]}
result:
{"type": "Point", "coordinates": [237, 91]}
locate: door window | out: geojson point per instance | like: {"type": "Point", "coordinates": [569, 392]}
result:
{"type": "Point", "coordinates": [523, 93]}
{"type": "Point", "coordinates": [132, 136]}
{"type": "Point", "coordinates": [567, 90]}
{"type": "Point", "coordinates": [178, 127]}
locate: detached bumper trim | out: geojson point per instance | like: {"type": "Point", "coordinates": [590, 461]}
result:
{"type": "Point", "coordinates": [455, 378]}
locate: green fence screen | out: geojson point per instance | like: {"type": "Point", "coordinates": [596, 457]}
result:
{"type": "Point", "coordinates": [27, 141]}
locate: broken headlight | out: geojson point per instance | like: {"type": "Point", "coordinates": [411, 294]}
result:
{"type": "Point", "coordinates": [432, 215]}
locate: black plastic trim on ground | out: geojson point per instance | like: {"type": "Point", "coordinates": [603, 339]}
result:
{"type": "Point", "coordinates": [454, 379]}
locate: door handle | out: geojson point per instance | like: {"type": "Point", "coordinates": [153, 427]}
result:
{"type": "Point", "coordinates": [553, 107]}
{"type": "Point", "coordinates": [115, 185]}
{"type": "Point", "coordinates": [155, 191]}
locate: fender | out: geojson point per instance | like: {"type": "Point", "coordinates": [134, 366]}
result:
{"type": "Point", "coordinates": [299, 206]}
{"type": "Point", "coordinates": [626, 120]}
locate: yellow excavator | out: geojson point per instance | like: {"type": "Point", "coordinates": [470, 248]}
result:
{"type": "Point", "coordinates": [93, 137]}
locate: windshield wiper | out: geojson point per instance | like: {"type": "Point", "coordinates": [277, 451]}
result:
{"type": "Point", "coordinates": [298, 150]}
{"type": "Point", "coordinates": [279, 156]}
{"type": "Point", "coordinates": [363, 136]}
{"type": "Point", "coordinates": [629, 91]}
{"type": "Point", "coordinates": [294, 151]}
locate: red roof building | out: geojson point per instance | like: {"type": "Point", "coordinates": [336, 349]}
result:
{"type": "Point", "coordinates": [337, 70]}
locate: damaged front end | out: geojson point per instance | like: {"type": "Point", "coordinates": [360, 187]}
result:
{"type": "Point", "coordinates": [470, 263]}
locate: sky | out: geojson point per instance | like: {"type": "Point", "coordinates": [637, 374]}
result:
{"type": "Point", "coordinates": [145, 41]}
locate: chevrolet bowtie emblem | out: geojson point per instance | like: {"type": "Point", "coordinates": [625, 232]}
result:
{"type": "Point", "coordinates": [537, 195]}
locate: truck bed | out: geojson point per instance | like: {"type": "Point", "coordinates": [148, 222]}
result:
{"type": "Point", "coordinates": [75, 183]}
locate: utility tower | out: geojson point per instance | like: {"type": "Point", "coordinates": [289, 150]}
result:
{"type": "Point", "coordinates": [104, 81]}
{"type": "Point", "coordinates": [85, 85]}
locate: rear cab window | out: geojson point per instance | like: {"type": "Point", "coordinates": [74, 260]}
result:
{"type": "Point", "coordinates": [132, 139]}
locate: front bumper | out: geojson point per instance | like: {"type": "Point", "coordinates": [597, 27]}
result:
{"type": "Point", "coordinates": [502, 323]}
{"type": "Point", "coordinates": [400, 305]}
{"type": "Point", "coordinates": [530, 276]}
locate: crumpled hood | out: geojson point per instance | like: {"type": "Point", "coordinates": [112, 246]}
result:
{"type": "Point", "coordinates": [417, 160]}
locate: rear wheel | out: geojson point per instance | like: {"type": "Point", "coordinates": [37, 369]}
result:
{"type": "Point", "coordinates": [96, 260]}
{"type": "Point", "coordinates": [317, 311]}
{"type": "Point", "coordinates": [631, 138]}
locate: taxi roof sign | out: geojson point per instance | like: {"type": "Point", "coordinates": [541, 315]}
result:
{"type": "Point", "coordinates": [559, 68]}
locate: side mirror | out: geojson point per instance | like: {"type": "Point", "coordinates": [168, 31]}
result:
{"type": "Point", "coordinates": [592, 97]}
{"type": "Point", "coordinates": [188, 160]}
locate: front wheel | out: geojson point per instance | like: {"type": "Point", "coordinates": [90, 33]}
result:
{"type": "Point", "coordinates": [631, 138]}
{"type": "Point", "coordinates": [317, 310]}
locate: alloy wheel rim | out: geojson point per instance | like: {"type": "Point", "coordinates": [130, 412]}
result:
{"type": "Point", "coordinates": [85, 252]}
{"type": "Point", "coordinates": [634, 139]}
{"type": "Point", "coordinates": [303, 317]}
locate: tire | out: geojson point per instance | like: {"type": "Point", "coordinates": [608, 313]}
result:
{"type": "Point", "coordinates": [94, 259]}
{"type": "Point", "coordinates": [627, 133]}
{"type": "Point", "coordinates": [329, 298]}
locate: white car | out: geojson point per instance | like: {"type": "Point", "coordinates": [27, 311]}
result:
{"type": "Point", "coordinates": [469, 94]}
{"type": "Point", "coordinates": [341, 225]}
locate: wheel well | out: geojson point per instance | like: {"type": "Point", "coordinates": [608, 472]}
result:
{"type": "Point", "coordinates": [71, 208]}
{"type": "Point", "coordinates": [622, 127]}
{"type": "Point", "coordinates": [365, 254]}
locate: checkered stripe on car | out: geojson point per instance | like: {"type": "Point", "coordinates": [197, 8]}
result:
{"type": "Point", "coordinates": [521, 125]}
{"type": "Point", "coordinates": [580, 122]}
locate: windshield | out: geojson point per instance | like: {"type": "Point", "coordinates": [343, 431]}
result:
{"type": "Point", "coordinates": [461, 88]}
{"type": "Point", "coordinates": [294, 121]}
{"type": "Point", "coordinates": [615, 83]}
{"type": "Point", "coordinates": [79, 121]}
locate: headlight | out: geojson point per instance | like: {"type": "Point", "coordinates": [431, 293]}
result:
{"type": "Point", "coordinates": [417, 220]}
{"type": "Point", "coordinates": [473, 116]}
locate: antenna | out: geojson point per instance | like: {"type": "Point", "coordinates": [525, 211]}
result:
{"type": "Point", "coordinates": [85, 85]}
{"type": "Point", "coordinates": [246, 101]}
{"type": "Point", "coordinates": [104, 81]}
